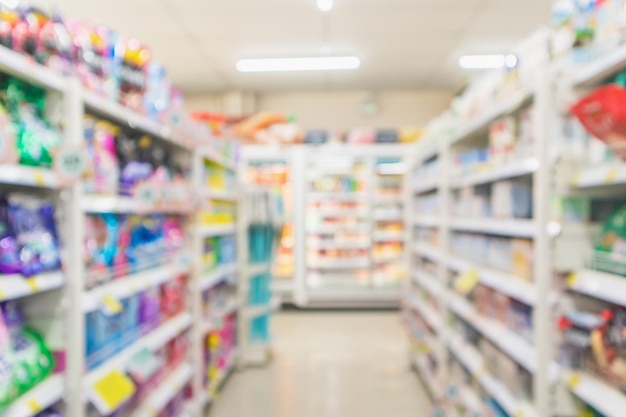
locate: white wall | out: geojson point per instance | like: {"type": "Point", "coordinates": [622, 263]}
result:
{"type": "Point", "coordinates": [340, 110]}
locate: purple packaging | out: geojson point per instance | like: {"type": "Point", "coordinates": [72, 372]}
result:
{"type": "Point", "coordinates": [150, 309]}
{"type": "Point", "coordinates": [9, 258]}
{"type": "Point", "coordinates": [37, 243]}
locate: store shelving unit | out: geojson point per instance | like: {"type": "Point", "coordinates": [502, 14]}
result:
{"type": "Point", "coordinates": [63, 298]}
{"type": "Point", "coordinates": [562, 272]}
{"type": "Point", "coordinates": [317, 218]}
{"type": "Point", "coordinates": [438, 271]}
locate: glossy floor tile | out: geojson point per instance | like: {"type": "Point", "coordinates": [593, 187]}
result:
{"type": "Point", "coordinates": [330, 365]}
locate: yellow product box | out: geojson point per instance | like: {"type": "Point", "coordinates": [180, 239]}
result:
{"type": "Point", "coordinates": [522, 254]}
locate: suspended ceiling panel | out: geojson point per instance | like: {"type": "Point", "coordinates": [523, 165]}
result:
{"type": "Point", "coordinates": [402, 43]}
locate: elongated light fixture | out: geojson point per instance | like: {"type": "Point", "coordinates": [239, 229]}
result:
{"type": "Point", "coordinates": [325, 63]}
{"type": "Point", "coordinates": [487, 61]}
{"type": "Point", "coordinates": [325, 5]}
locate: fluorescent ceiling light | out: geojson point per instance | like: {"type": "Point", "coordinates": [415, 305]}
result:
{"type": "Point", "coordinates": [299, 64]}
{"type": "Point", "coordinates": [487, 61]}
{"type": "Point", "coordinates": [325, 5]}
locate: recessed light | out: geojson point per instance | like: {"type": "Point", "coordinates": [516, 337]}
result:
{"type": "Point", "coordinates": [487, 61]}
{"type": "Point", "coordinates": [326, 63]}
{"type": "Point", "coordinates": [325, 5]}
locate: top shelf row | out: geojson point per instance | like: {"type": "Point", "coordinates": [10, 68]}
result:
{"type": "Point", "coordinates": [25, 68]}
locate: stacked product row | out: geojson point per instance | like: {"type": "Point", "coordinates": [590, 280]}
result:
{"type": "Point", "coordinates": [525, 224]}
{"type": "Point", "coordinates": [113, 259]}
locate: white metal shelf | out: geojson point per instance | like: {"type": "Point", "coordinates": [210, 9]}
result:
{"type": "Point", "coordinates": [215, 321]}
{"type": "Point", "coordinates": [217, 276]}
{"type": "Point", "coordinates": [122, 114]}
{"type": "Point", "coordinates": [430, 380]}
{"type": "Point", "coordinates": [499, 227]}
{"type": "Point", "coordinates": [123, 204]}
{"type": "Point", "coordinates": [428, 282]}
{"type": "Point", "coordinates": [600, 176]}
{"type": "Point", "coordinates": [388, 217]}
{"type": "Point", "coordinates": [340, 263]}
{"type": "Point", "coordinates": [223, 195]}
{"type": "Point", "coordinates": [427, 221]}
{"type": "Point", "coordinates": [482, 123]}
{"type": "Point", "coordinates": [217, 230]}
{"type": "Point", "coordinates": [608, 400]}
{"type": "Point", "coordinates": [600, 285]}
{"type": "Point", "coordinates": [508, 284]}
{"type": "Point", "coordinates": [506, 339]}
{"type": "Point", "coordinates": [152, 341]}
{"type": "Point", "coordinates": [212, 155]}
{"type": "Point", "coordinates": [254, 311]}
{"type": "Point", "coordinates": [27, 69]}
{"type": "Point", "coordinates": [17, 286]}
{"type": "Point", "coordinates": [124, 287]}
{"type": "Point", "coordinates": [337, 196]}
{"type": "Point", "coordinates": [43, 395]}
{"type": "Point", "coordinates": [339, 228]}
{"type": "Point", "coordinates": [228, 368]}
{"type": "Point", "coordinates": [427, 251]}
{"type": "Point", "coordinates": [497, 173]}
{"type": "Point", "coordinates": [165, 392]}
{"type": "Point", "coordinates": [22, 175]}
{"type": "Point", "coordinates": [339, 245]}
{"type": "Point", "coordinates": [254, 269]}
{"type": "Point", "coordinates": [426, 186]}
{"type": "Point", "coordinates": [430, 315]}
{"type": "Point", "coordinates": [384, 236]}
{"type": "Point", "coordinates": [339, 213]}
{"type": "Point", "coordinates": [599, 69]}
{"type": "Point", "coordinates": [473, 361]}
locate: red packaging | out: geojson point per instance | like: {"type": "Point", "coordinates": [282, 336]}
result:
{"type": "Point", "coordinates": [603, 114]}
{"type": "Point", "coordinates": [173, 297]}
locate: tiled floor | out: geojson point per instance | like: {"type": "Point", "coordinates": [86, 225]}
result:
{"type": "Point", "coordinates": [330, 365]}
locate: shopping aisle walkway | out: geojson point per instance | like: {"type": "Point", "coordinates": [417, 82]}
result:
{"type": "Point", "coordinates": [330, 365]}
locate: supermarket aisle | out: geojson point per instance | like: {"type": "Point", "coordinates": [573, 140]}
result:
{"type": "Point", "coordinates": [330, 365]}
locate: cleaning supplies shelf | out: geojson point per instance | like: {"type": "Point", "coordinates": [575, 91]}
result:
{"type": "Point", "coordinates": [18, 286]}
{"type": "Point", "coordinates": [126, 116]}
{"type": "Point", "coordinates": [42, 396]}
{"type": "Point", "coordinates": [25, 68]}
{"type": "Point", "coordinates": [217, 276]}
{"type": "Point", "coordinates": [152, 341]}
{"type": "Point", "coordinates": [124, 287]}
{"type": "Point", "coordinates": [165, 392]}
{"type": "Point", "coordinates": [29, 176]}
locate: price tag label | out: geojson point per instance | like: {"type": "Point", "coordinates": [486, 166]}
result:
{"type": "Point", "coordinates": [70, 163]}
{"type": "Point", "coordinates": [112, 390]}
{"type": "Point", "coordinates": [576, 180]}
{"type": "Point", "coordinates": [111, 305]}
{"type": "Point", "coordinates": [519, 413]}
{"type": "Point", "coordinates": [146, 195]}
{"type": "Point", "coordinates": [33, 284]}
{"type": "Point", "coordinates": [572, 280]}
{"type": "Point", "coordinates": [611, 175]}
{"type": "Point", "coordinates": [573, 381]}
{"type": "Point", "coordinates": [183, 260]}
{"type": "Point", "coordinates": [34, 406]}
{"type": "Point", "coordinates": [466, 283]}
{"type": "Point", "coordinates": [39, 178]}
